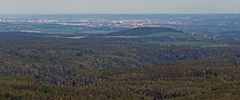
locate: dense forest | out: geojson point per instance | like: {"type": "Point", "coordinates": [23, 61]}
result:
{"type": "Point", "coordinates": [158, 64]}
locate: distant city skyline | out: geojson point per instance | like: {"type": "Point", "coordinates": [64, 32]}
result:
{"type": "Point", "coordinates": [118, 6]}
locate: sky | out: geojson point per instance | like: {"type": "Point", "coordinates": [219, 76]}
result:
{"type": "Point", "coordinates": [118, 6]}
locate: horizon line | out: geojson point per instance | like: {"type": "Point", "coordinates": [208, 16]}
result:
{"type": "Point", "coordinates": [109, 13]}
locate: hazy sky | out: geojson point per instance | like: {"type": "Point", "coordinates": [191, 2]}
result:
{"type": "Point", "coordinates": [119, 6]}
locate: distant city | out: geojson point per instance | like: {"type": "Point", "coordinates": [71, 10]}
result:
{"type": "Point", "coordinates": [96, 24]}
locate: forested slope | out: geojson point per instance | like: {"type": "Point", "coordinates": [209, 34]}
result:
{"type": "Point", "coordinates": [38, 66]}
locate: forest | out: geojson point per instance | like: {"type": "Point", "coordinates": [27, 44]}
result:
{"type": "Point", "coordinates": [156, 64]}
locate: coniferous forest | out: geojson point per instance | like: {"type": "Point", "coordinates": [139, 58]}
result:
{"type": "Point", "coordinates": [135, 64]}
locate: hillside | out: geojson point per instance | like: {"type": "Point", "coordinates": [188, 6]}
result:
{"type": "Point", "coordinates": [41, 66]}
{"type": "Point", "coordinates": [192, 80]}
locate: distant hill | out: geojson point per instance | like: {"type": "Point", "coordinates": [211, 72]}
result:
{"type": "Point", "coordinates": [143, 31]}
{"type": "Point", "coordinates": [235, 32]}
